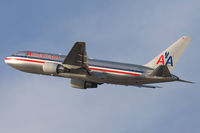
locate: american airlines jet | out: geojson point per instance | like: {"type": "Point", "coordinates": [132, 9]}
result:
{"type": "Point", "coordinates": [89, 73]}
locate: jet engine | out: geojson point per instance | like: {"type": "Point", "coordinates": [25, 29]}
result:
{"type": "Point", "coordinates": [81, 84]}
{"type": "Point", "coordinates": [53, 68]}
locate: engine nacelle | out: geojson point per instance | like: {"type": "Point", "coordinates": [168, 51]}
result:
{"type": "Point", "coordinates": [53, 68]}
{"type": "Point", "coordinates": [50, 68]}
{"type": "Point", "coordinates": [81, 84]}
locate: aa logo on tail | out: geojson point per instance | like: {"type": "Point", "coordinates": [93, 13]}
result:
{"type": "Point", "coordinates": [164, 57]}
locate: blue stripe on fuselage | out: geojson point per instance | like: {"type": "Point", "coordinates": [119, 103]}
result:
{"type": "Point", "coordinates": [117, 68]}
{"type": "Point", "coordinates": [38, 58]}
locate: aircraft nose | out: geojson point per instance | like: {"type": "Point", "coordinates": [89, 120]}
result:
{"type": "Point", "coordinates": [9, 61]}
{"type": "Point", "coordinates": [6, 60]}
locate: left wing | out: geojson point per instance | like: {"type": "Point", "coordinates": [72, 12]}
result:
{"type": "Point", "coordinates": [77, 57]}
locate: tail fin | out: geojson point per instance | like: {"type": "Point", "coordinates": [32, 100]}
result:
{"type": "Point", "coordinates": [171, 55]}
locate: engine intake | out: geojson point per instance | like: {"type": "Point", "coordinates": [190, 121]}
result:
{"type": "Point", "coordinates": [53, 68]}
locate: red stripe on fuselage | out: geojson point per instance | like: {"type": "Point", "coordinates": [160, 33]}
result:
{"type": "Point", "coordinates": [28, 60]}
{"type": "Point", "coordinates": [96, 69]}
{"type": "Point", "coordinates": [113, 71]}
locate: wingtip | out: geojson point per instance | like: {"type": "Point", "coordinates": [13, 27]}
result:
{"type": "Point", "coordinates": [80, 42]}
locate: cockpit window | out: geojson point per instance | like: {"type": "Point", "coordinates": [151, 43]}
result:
{"type": "Point", "coordinates": [20, 53]}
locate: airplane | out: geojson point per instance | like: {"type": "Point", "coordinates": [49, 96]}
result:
{"type": "Point", "coordinates": [89, 73]}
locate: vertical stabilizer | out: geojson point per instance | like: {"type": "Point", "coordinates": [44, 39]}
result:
{"type": "Point", "coordinates": [171, 55]}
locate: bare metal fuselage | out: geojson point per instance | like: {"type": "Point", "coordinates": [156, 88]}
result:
{"type": "Point", "coordinates": [89, 73]}
{"type": "Point", "coordinates": [102, 71]}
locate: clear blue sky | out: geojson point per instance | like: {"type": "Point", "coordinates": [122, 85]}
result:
{"type": "Point", "coordinates": [131, 31]}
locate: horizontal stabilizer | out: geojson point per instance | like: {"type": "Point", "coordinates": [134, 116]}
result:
{"type": "Point", "coordinates": [186, 81]}
{"type": "Point", "coordinates": [161, 71]}
{"type": "Point", "coordinates": [148, 86]}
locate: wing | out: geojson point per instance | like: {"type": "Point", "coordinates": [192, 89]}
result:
{"type": "Point", "coordinates": [77, 57]}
